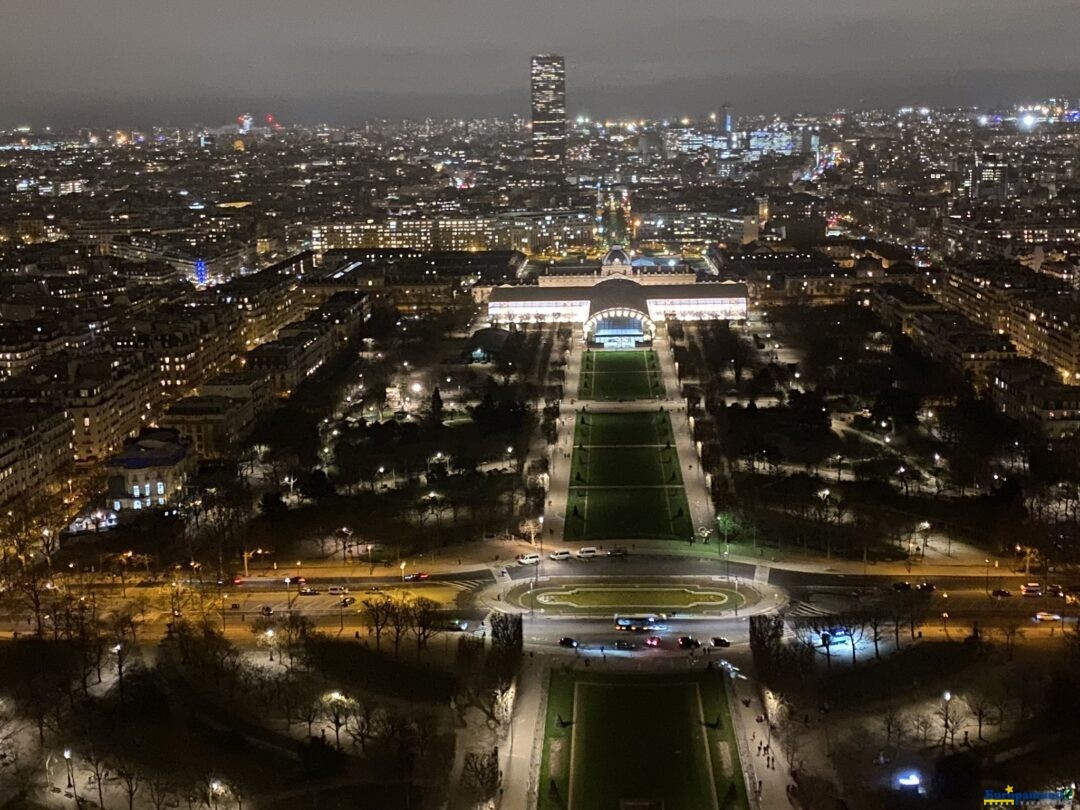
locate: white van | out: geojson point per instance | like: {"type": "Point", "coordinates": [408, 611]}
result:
{"type": "Point", "coordinates": [587, 553]}
{"type": "Point", "coordinates": [528, 559]}
{"type": "Point", "coordinates": [337, 590]}
{"type": "Point", "coordinates": [561, 554]}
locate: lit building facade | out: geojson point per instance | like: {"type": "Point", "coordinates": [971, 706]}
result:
{"type": "Point", "coordinates": [548, 84]}
{"type": "Point", "coordinates": [615, 309]}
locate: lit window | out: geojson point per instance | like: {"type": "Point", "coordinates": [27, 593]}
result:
{"type": "Point", "coordinates": [160, 487]}
{"type": "Point", "coordinates": [136, 491]}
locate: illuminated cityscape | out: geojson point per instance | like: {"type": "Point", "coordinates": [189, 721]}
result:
{"type": "Point", "coordinates": [548, 459]}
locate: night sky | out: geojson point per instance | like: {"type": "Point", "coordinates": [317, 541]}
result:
{"type": "Point", "coordinates": [179, 61]}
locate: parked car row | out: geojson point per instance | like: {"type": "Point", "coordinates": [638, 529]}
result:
{"type": "Point", "coordinates": [583, 553]}
{"type": "Point", "coordinates": [683, 642]}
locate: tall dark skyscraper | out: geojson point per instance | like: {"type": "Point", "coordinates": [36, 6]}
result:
{"type": "Point", "coordinates": [548, 80]}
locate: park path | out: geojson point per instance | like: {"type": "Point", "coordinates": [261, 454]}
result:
{"type": "Point", "coordinates": [559, 484]}
{"type": "Point", "coordinates": [694, 479]}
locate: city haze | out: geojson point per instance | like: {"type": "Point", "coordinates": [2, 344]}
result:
{"type": "Point", "coordinates": [120, 62]}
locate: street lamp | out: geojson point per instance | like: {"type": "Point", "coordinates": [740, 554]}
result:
{"type": "Point", "coordinates": [402, 566]}
{"type": "Point", "coordinates": [70, 770]}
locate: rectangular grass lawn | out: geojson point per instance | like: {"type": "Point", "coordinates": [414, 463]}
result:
{"type": "Point", "coordinates": [620, 375]}
{"type": "Point", "coordinates": [652, 427]}
{"type": "Point", "coordinates": [603, 513]}
{"type": "Point", "coordinates": [625, 466]}
{"type": "Point", "coordinates": [661, 737]}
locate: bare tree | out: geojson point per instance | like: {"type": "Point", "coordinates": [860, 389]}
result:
{"type": "Point", "coordinates": [308, 713]}
{"type": "Point", "coordinates": [337, 708]}
{"type": "Point", "coordinates": [922, 724]}
{"type": "Point", "coordinates": [1010, 633]}
{"type": "Point", "coordinates": [377, 612]}
{"type": "Point", "coordinates": [400, 620]}
{"type": "Point", "coordinates": [981, 706]}
{"type": "Point", "coordinates": [130, 780]}
{"type": "Point", "coordinates": [815, 633]}
{"type": "Point", "coordinates": [425, 618]}
{"type": "Point", "coordinates": [160, 793]}
{"type": "Point", "coordinates": [480, 774]}
{"type": "Point", "coordinates": [100, 770]}
{"type": "Point", "coordinates": [362, 722]}
{"type": "Point", "coordinates": [875, 621]}
{"type": "Point", "coordinates": [237, 793]}
{"type": "Point", "coordinates": [961, 717]}
{"type": "Point", "coordinates": [1001, 700]}
{"type": "Point", "coordinates": [531, 528]}
{"type": "Point", "coordinates": [853, 626]}
{"type": "Point", "coordinates": [892, 723]}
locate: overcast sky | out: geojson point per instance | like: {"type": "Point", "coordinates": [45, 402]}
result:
{"type": "Point", "coordinates": [143, 61]}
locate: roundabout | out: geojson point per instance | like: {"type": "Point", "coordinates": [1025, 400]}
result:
{"type": "Point", "coordinates": [603, 596]}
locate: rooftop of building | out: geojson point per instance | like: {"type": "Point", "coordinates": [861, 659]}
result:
{"type": "Point", "coordinates": [153, 448]}
{"type": "Point", "coordinates": [617, 289]}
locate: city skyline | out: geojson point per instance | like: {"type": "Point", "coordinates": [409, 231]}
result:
{"type": "Point", "coordinates": [344, 64]}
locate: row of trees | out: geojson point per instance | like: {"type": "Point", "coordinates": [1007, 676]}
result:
{"type": "Point", "coordinates": [399, 617]}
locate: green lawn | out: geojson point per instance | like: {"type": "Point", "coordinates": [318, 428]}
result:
{"type": "Point", "coordinates": [625, 479]}
{"type": "Point", "coordinates": [651, 598]}
{"type": "Point", "coordinates": [651, 427]}
{"type": "Point", "coordinates": [596, 513]}
{"type": "Point", "coordinates": [620, 375]}
{"type": "Point", "coordinates": [613, 466]}
{"type": "Point", "coordinates": [659, 737]}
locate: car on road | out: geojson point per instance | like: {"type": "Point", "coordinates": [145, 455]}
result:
{"type": "Point", "coordinates": [653, 641]}
{"type": "Point", "coordinates": [266, 610]}
{"type": "Point", "coordinates": [587, 553]}
{"type": "Point", "coordinates": [1001, 593]}
{"type": "Point", "coordinates": [348, 600]}
{"type": "Point", "coordinates": [617, 551]}
{"type": "Point", "coordinates": [560, 555]}
{"type": "Point", "coordinates": [456, 625]}
{"type": "Point", "coordinates": [901, 586]}
{"type": "Point", "coordinates": [625, 645]}
{"type": "Point", "coordinates": [926, 586]}
{"type": "Point", "coordinates": [419, 576]}
{"type": "Point", "coordinates": [566, 641]}
{"type": "Point", "coordinates": [309, 591]}
{"type": "Point", "coordinates": [528, 559]}
{"type": "Point", "coordinates": [1031, 589]}
{"type": "Point", "coordinates": [720, 641]}
{"type": "Point", "coordinates": [1055, 590]}
{"type": "Point", "coordinates": [688, 643]}
{"type": "Point", "coordinates": [1047, 616]}
{"type": "Point", "coordinates": [295, 581]}
{"type": "Point", "coordinates": [337, 590]}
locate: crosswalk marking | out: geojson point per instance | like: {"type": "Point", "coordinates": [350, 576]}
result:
{"type": "Point", "coordinates": [466, 584]}
{"type": "Point", "coordinates": [806, 609]}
